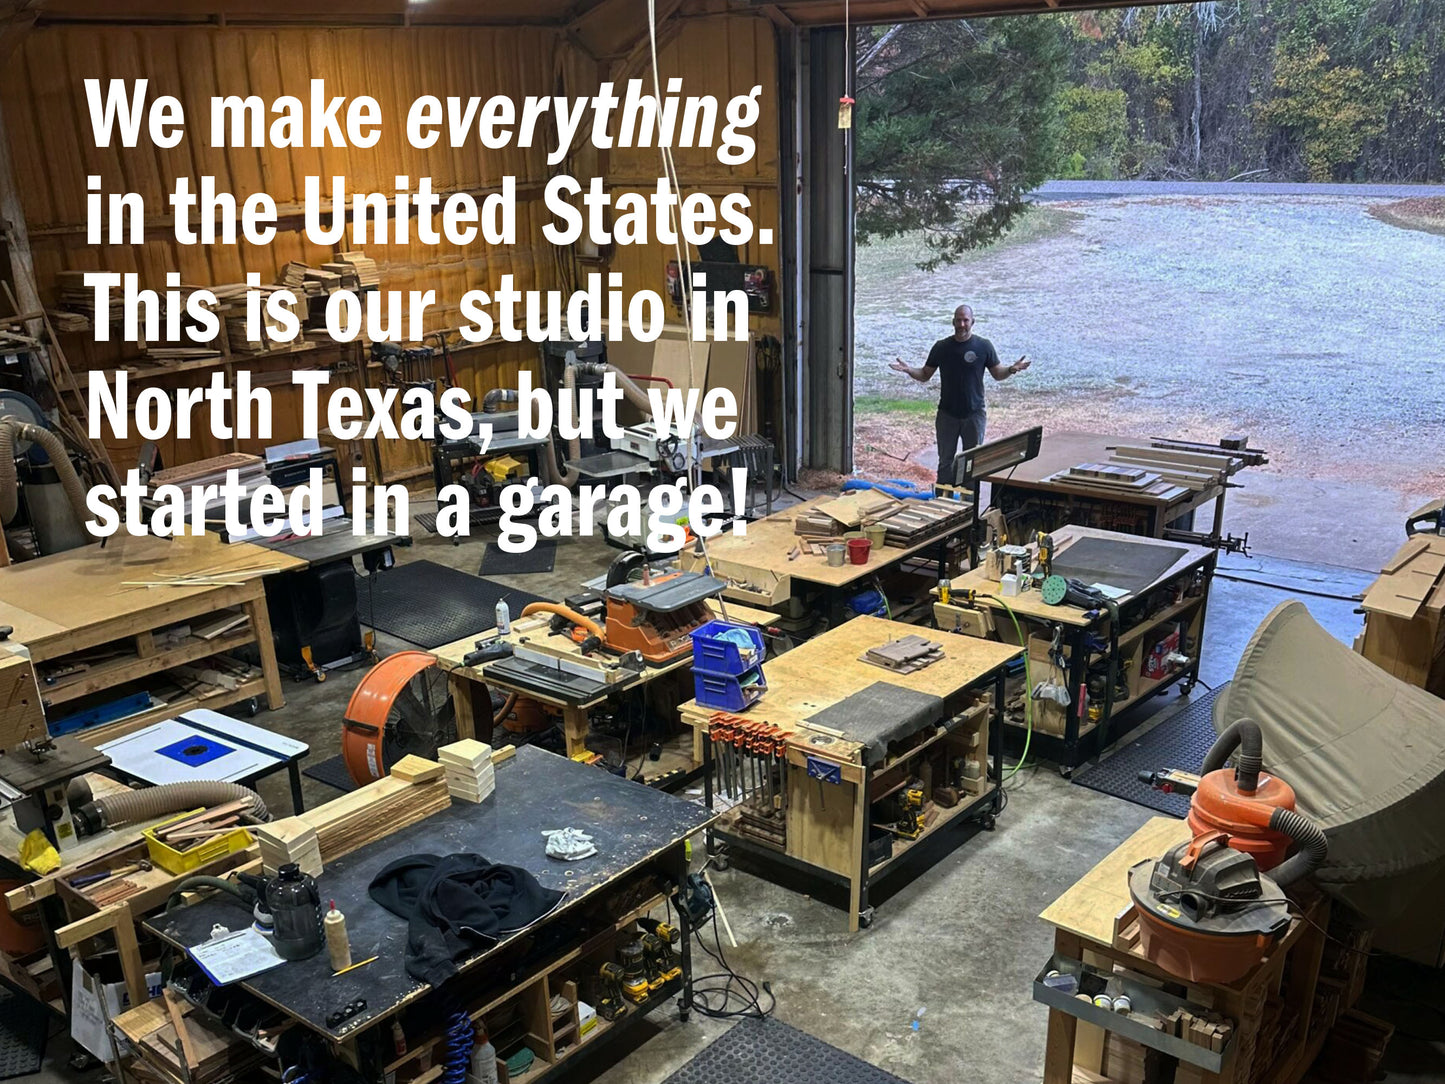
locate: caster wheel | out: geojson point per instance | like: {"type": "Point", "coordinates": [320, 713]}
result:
{"type": "Point", "coordinates": [720, 862]}
{"type": "Point", "coordinates": [253, 707]}
{"type": "Point", "coordinates": [320, 676]}
{"type": "Point", "coordinates": [1185, 688]}
{"type": "Point", "coordinates": [989, 822]}
{"type": "Point", "coordinates": [865, 919]}
{"type": "Point", "coordinates": [1066, 773]}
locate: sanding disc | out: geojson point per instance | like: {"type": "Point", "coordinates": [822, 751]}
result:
{"type": "Point", "coordinates": [1054, 590]}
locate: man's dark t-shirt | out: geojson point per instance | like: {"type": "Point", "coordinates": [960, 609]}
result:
{"type": "Point", "coordinates": [960, 368]}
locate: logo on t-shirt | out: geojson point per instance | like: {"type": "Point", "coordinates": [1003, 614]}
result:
{"type": "Point", "coordinates": [970, 356]}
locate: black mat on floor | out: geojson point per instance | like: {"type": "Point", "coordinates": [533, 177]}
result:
{"type": "Point", "coordinates": [498, 562]}
{"type": "Point", "coordinates": [24, 1026]}
{"type": "Point", "coordinates": [331, 772]}
{"type": "Point", "coordinates": [1132, 566]}
{"type": "Point", "coordinates": [477, 523]}
{"type": "Point", "coordinates": [428, 604]}
{"type": "Point", "coordinates": [767, 1050]}
{"type": "Point", "coordinates": [1180, 741]}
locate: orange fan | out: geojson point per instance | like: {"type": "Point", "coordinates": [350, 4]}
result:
{"type": "Point", "coordinates": [401, 706]}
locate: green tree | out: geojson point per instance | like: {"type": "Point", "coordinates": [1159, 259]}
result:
{"type": "Point", "coordinates": [1096, 129]}
{"type": "Point", "coordinates": [1332, 110]}
{"type": "Point", "coordinates": [956, 123]}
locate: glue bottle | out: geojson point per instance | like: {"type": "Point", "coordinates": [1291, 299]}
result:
{"type": "Point", "coordinates": [484, 1059]}
{"type": "Point", "coordinates": [337, 944]}
{"type": "Point", "coordinates": [504, 618]}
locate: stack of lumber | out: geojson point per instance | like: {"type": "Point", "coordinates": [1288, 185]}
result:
{"type": "Point", "coordinates": [469, 772]}
{"type": "Point", "coordinates": [192, 831]}
{"type": "Point", "coordinates": [916, 521]}
{"type": "Point", "coordinates": [851, 512]}
{"type": "Point", "coordinates": [286, 841]}
{"type": "Point", "coordinates": [250, 470]}
{"type": "Point", "coordinates": [1169, 473]}
{"type": "Point", "coordinates": [191, 1047]}
{"type": "Point", "coordinates": [238, 334]}
{"type": "Point", "coordinates": [374, 811]}
{"type": "Point", "coordinates": [368, 275]}
{"type": "Point", "coordinates": [78, 299]}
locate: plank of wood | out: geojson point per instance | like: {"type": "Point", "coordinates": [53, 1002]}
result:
{"type": "Point", "coordinates": [415, 769]}
{"type": "Point", "coordinates": [1406, 553]}
{"type": "Point", "coordinates": [373, 812]}
{"type": "Point", "coordinates": [188, 1048]}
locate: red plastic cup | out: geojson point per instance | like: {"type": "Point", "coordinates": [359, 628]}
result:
{"type": "Point", "coordinates": [858, 550]}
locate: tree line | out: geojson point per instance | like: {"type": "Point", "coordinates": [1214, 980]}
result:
{"type": "Point", "coordinates": [958, 121]}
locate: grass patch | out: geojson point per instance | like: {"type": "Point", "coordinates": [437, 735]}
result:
{"type": "Point", "coordinates": [882, 404]}
{"type": "Point", "coordinates": [1425, 214]}
{"type": "Point", "coordinates": [1040, 222]}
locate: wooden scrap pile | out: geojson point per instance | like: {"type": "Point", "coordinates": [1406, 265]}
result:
{"type": "Point", "coordinates": [904, 655]}
{"type": "Point", "coordinates": [189, 1046]}
{"type": "Point", "coordinates": [915, 521]}
{"type": "Point", "coordinates": [1405, 615]}
{"type": "Point", "coordinates": [77, 300]}
{"type": "Point", "coordinates": [193, 831]}
{"type": "Point", "coordinates": [469, 772]}
{"type": "Point", "coordinates": [851, 512]}
{"type": "Point", "coordinates": [1209, 1030]}
{"type": "Point", "coordinates": [1164, 472]}
{"type": "Point", "coordinates": [373, 812]}
{"type": "Point", "coordinates": [313, 285]}
{"type": "Point", "coordinates": [288, 840]}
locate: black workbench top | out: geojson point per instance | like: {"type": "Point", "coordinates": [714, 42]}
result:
{"type": "Point", "coordinates": [630, 823]}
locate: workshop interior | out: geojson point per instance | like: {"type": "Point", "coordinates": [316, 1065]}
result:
{"type": "Point", "coordinates": [1012, 776]}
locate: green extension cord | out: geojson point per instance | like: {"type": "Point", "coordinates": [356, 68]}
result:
{"type": "Point", "coordinates": [1028, 688]}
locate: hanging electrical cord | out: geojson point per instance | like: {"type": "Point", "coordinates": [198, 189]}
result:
{"type": "Point", "coordinates": [1028, 688]}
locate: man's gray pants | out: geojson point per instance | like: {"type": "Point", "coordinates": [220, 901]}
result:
{"type": "Point", "coordinates": [950, 431]}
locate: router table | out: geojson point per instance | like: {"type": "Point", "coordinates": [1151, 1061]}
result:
{"type": "Point", "coordinates": [842, 762]}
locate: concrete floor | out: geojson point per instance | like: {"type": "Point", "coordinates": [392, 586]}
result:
{"type": "Point", "coordinates": [954, 950]}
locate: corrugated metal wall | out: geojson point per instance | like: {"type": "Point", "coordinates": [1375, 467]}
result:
{"type": "Point", "coordinates": [45, 111]}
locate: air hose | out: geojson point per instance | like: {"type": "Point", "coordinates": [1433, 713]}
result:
{"type": "Point", "coordinates": [460, 1038]}
{"type": "Point", "coordinates": [1245, 736]}
{"type": "Point", "coordinates": [564, 611]}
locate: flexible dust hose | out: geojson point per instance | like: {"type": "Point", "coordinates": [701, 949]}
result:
{"type": "Point", "coordinates": [1313, 846]}
{"type": "Point", "coordinates": [9, 483]}
{"type": "Point", "coordinates": [630, 389]}
{"type": "Point", "coordinates": [1245, 736]}
{"type": "Point", "coordinates": [570, 614]}
{"type": "Point", "coordinates": [130, 806]}
{"type": "Point", "coordinates": [16, 430]}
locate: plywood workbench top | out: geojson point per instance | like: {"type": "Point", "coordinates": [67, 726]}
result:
{"type": "Point", "coordinates": [768, 542]}
{"type": "Point", "coordinates": [1089, 908]}
{"type": "Point", "coordinates": [84, 587]}
{"type": "Point", "coordinates": [827, 669]}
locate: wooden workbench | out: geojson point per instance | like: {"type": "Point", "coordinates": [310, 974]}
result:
{"type": "Point", "coordinates": [640, 834]}
{"type": "Point", "coordinates": [827, 831]}
{"type": "Point", "coordinates": [469, 686]}
{"type": "Point", "coordinates": [71, 603]}
{"type": "Point", "coordinates": [1069, 734]}
{"type": "Point", "coordinates": [1093, 924]}
{"type": "Point", "coordinates": [1133, 512]}
{"type": "Point", "coordinates": [758, 570]}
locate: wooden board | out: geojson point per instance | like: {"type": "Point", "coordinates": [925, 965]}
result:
{"type": "Point", "coordinates": [1089, 908]}
{"type": "Point", "coordinates": [21, 715]}
{"type": "Point", "coordinates": [768, 541]}
{"type": "Point", "coordinates": [1062, 450]}
{"type": "Point", "coordinates": [52, 601]}
{"type": "Point", "coordinates": [681, 361]}
{"type": "Point", "coordinates": [372, 812]}
{"type": "Point", "coordinates": [795, 692]}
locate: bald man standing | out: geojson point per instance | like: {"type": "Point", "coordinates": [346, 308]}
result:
{"type": "Point", "coordinates": [962, 358]}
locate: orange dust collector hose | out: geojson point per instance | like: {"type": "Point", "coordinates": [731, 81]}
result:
{"type": "Point", "coordinates": [564, 611]}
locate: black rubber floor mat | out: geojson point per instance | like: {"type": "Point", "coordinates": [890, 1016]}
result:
{"type": "Point", "coordinates": [1181, 741]}
{"type": "Point", "coordinates": [479, 522]}
{"type": "Point", "coordinates": [331, 772]}
{"type": "Point", "coordinates": [1132, 566]}
{"type": "Point", "coordinates": [498, 562]}
{"type": "Point", "coordinates": [768, 1050]}
{"type": "Point", "coordinates": [24, 1026]}
{"type": "Point", "coordinates": [428, 604]}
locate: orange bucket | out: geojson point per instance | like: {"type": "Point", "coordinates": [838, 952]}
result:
{"type": "Point", "coordinates": [858, 550]}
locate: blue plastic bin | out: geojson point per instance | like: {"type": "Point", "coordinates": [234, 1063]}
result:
{"type": "Point", "coordinates": [726, 692]}
{"type": "Point", "coordinates": [714, 656]}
